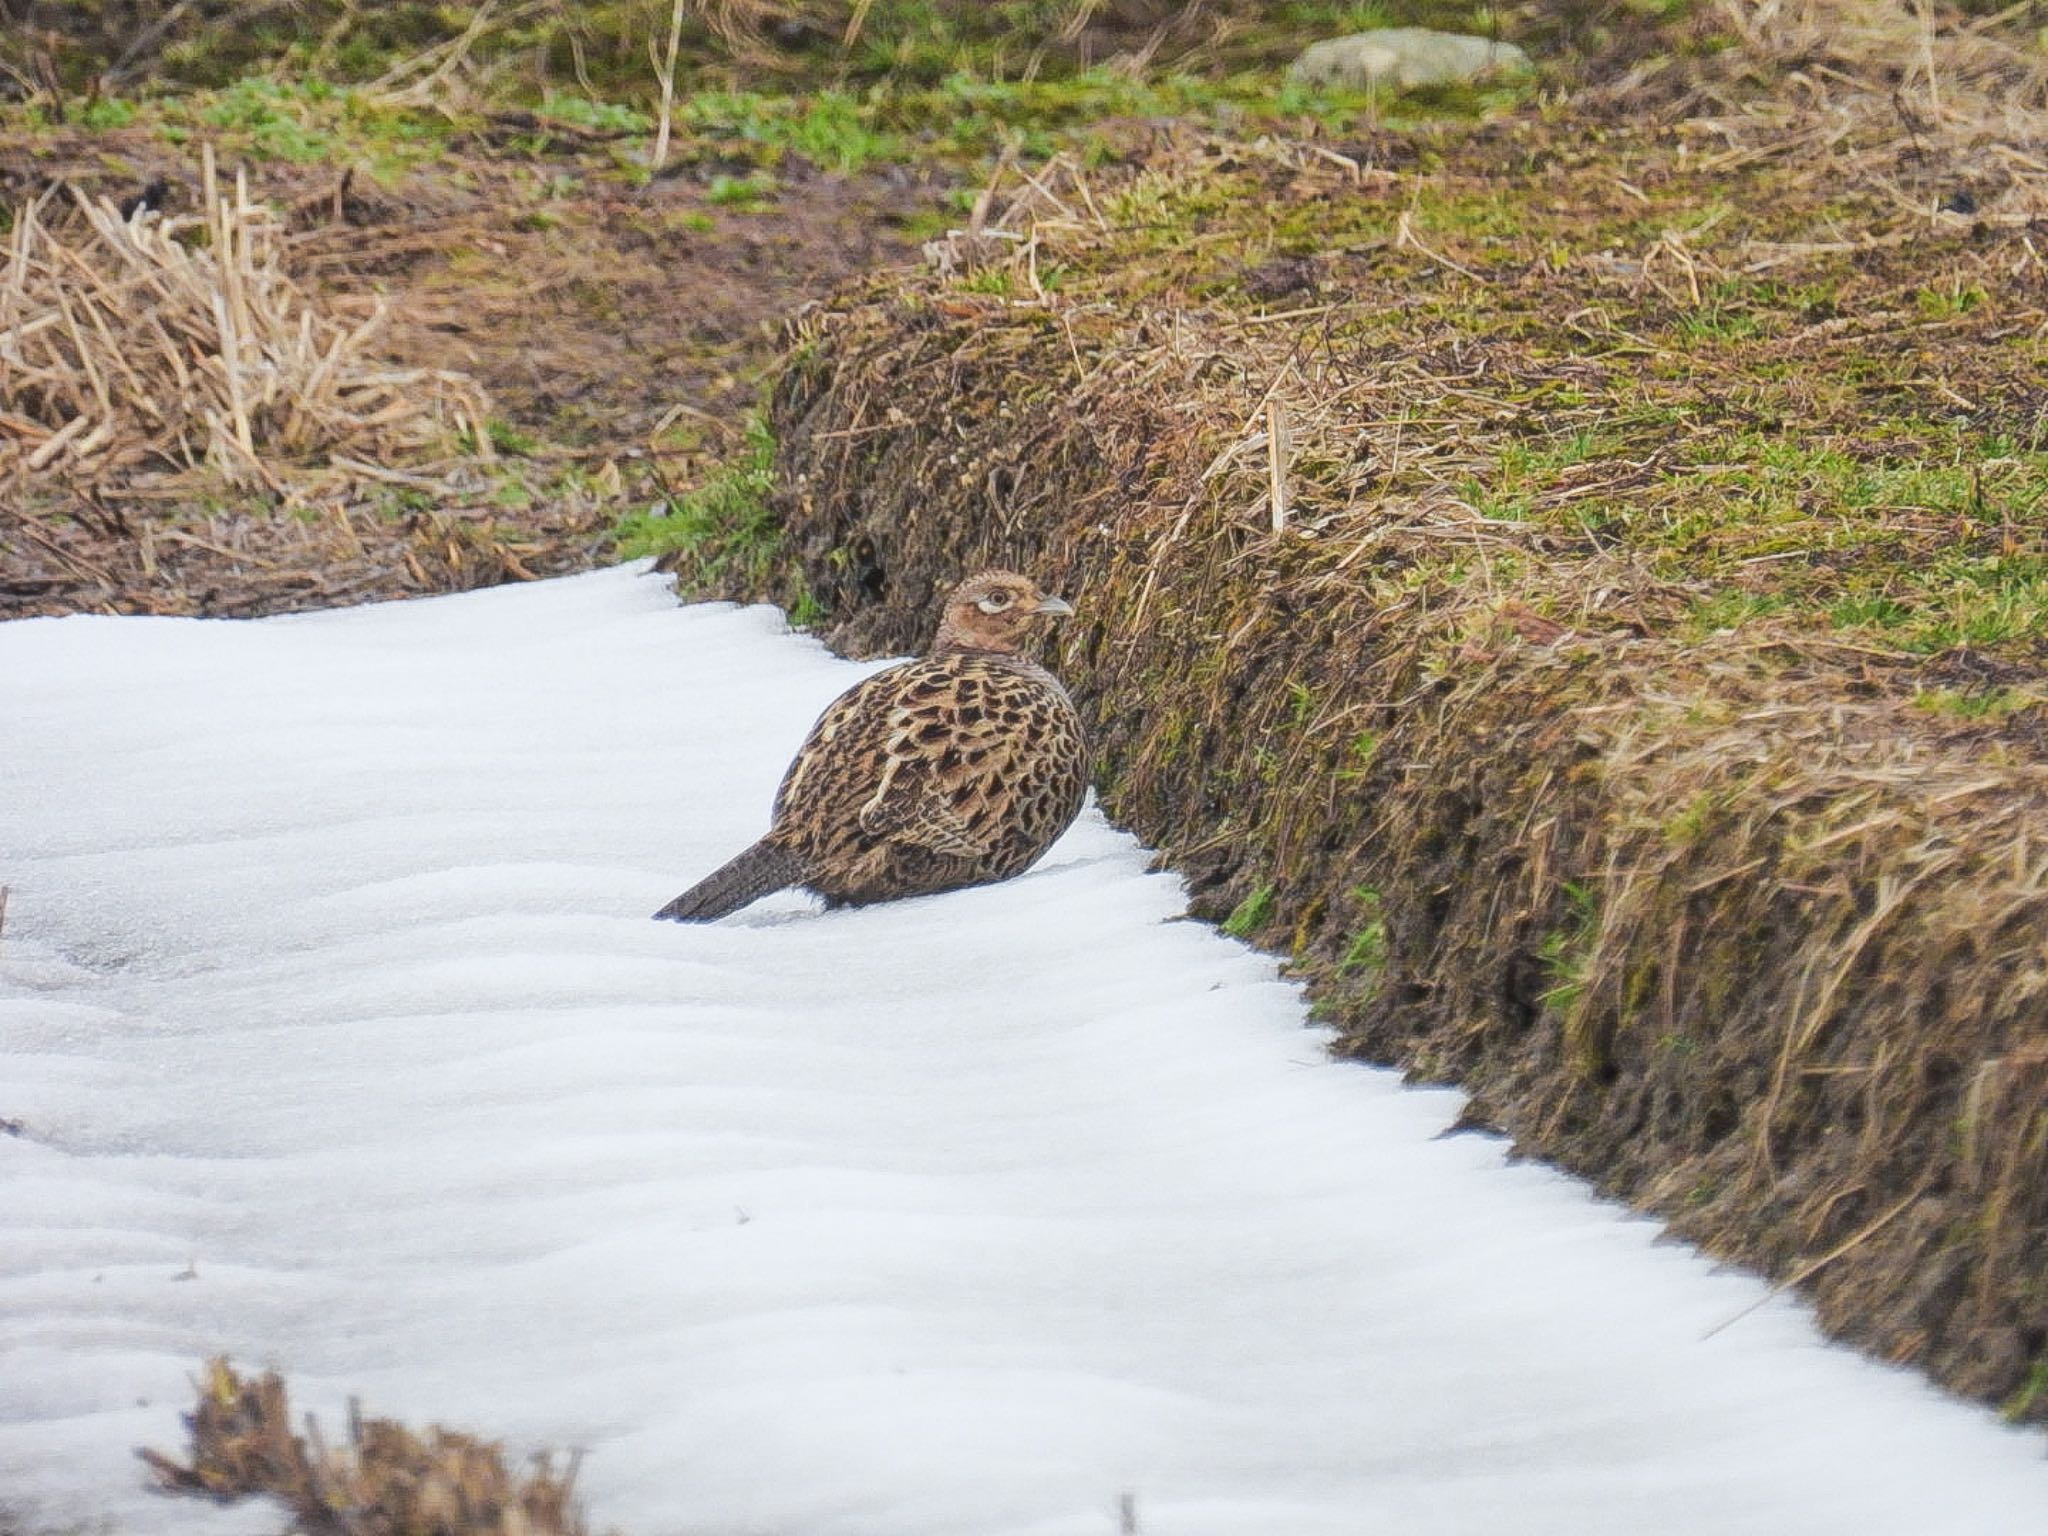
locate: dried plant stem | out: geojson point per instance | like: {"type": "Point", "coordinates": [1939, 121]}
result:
{"type": "Point", "coordinates": [1276, 462]}
{"type": "Point", "coordinates": [665, 71]}
{"type": "Point", "coordinates": [386, 1479]}
{"type": "Point", "coordinates": [1925, 9]}
{"type": "Point", "coordinates": [855, 22]}
{"type": "Point", "coordinates": [1807, 1271]}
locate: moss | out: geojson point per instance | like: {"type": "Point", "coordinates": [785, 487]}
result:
{"type": "Point", "coordinates": [1251, 915]}
{"type": "Point", "coordinates": [1977, 704]}
{"type": "Point", "coordinates": [2033, 1392]}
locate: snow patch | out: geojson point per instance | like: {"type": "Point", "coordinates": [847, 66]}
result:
{"type": "Point", "coordinates": [344, 1045]}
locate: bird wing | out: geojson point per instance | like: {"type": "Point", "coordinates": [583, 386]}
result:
{"type": "Point", "coordinates": [938, 753]}
{"type": "Point", "coordinates": [926, 819]}
{"type": "Point", "coordinates": [954, 758]}
{"type": "Point", "coordinates": [816, 782]}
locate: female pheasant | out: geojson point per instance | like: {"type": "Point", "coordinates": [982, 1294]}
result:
{"type": "Point", "coordinates": [957, 769]}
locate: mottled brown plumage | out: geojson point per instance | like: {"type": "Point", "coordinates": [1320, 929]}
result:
{"type": "Point", "coordinates": [956, 769]}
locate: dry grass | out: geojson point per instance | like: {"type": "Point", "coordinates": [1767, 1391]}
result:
{"type": "Point", "coordinates": [386, 1481]}
{"type": "Point", "coordinates": [618, 332]}
{"type": "Point", "coordinates": [184, 340]}
{"type": "Point", "coordinates": [1918, 97]}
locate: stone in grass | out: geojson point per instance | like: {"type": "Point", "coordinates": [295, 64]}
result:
{"type": "Point", "coordinates": [1406, 58]}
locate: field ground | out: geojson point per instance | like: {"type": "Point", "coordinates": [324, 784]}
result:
{"type": "Point", "coordinates": [1660, 445]}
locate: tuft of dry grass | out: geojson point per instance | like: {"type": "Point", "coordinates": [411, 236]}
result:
{"type": "Point", "coordinates": [386, 1481]}
{"type": "Point", "coordinates": [178, 341]}
{"type": "Point", "coordinates": [1919, 98]}
{"type": "Point", "coordinates": [615, 336]}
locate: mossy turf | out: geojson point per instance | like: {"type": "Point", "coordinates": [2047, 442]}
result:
{"type": "Point", "coordinates": [1616, 351]}
{"type": "Point", "coordinates": [1638, 713]}
{"type": "Point", "coordinates": [601, 47]}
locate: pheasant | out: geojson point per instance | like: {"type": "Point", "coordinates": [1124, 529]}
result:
{"type": "Point", "coordinates": [957, 769]}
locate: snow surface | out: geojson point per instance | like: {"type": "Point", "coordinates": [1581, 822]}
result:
{"type": "Point", "coordinates": [345, 1045]}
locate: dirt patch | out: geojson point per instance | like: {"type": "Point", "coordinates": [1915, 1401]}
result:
{"type": "Point", "coordinates": [626, 308]}
{"type": "Point", "coordinates": [1604, 720]}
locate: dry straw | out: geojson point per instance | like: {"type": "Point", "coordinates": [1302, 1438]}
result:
{"type": "Point", "coordinates": [1863, 90]}
{"type": "Point", "coordinates": [185, 340]}
{"type": "Point", "coordinates": [386, 1481]}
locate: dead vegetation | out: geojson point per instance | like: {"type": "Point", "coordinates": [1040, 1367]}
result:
{"type": "Point", "coordinates": [386, 1481]}
{"type": "Point", "coordinates": [1597, 629]}
{"type": "Point", "coordinates": [1936, 107]}
{"type": "Point", "coordinates": [138, 339]}
{"type": "Point", "coordinates": [188, 426]}
{"type": "Point", "coordinates": [613, 334]}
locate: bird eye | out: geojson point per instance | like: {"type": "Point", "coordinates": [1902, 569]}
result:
{"type": "Point", "coordinates": [995, 602]}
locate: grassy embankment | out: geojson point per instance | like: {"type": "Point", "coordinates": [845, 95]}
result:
{"type": "Point", "coordinates": [1638, 714]}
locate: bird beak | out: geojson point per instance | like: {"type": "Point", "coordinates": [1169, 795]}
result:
{"type": "Point", "coordinates": [1054, 607]}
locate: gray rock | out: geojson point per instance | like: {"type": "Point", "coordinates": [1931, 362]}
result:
{"type": "Point", "coordinates": [1404, 58]}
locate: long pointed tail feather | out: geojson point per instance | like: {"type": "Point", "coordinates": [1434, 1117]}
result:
{"type": "Point", "coordinates": [761, 869]}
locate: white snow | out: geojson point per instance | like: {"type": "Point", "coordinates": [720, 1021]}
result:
{"type": "Point", "coordinates": [329, 997]}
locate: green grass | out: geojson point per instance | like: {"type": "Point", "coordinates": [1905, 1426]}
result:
{"type": "Point", "coordinates": [1691, 825]}
{"type": "Point", "coordinates": [2017, 1407]}
{"type": "Point", "coordinates": [978, 72]}
{"type": "Point", "coordinates": [1367, 950]}
{"type": "Point", "coordinates": [598, 116]}
{"type": "Point", "coordinates": [508, 439]}
{"type": "Point", "coordinates": [107, 112]}
{"type": "Point", "coordinates": [723, 533]}
{"type": "Point", "coordinates": [1566, 950]}
{"type": "Point", "coordinates": [927, 83]}
{"type": "Point", "coordinates": [1975, 704]}
{"type": "Point", "coordinates": [300, 122]}
{"type": "Point", "coordinates": [1950, 301]}
{"type": "Point", "coordinates": [832, 129]}
{"type": "Point", "coordinates": [1359, 757]}
{"type": "Point", "coordinates": [742, 194]}
{"type": "Point", "coordinates": [1251, 914]}
{"type": "Point", "coordinates": [908, 42]}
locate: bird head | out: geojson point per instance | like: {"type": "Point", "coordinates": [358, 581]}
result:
{"type": "Point", "coordinates": [994, 611]}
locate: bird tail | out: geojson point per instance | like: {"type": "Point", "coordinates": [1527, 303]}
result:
{"type": "Point", "coordinates": [761, 869]}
